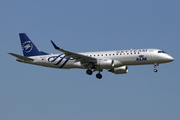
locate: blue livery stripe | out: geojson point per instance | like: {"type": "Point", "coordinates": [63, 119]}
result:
{"type": "Point", "coordinates": [56, 58]}
{"type": "Point", "coordinates": [60, 60]}
{"type": "Point", "coordinates": [64, 63]}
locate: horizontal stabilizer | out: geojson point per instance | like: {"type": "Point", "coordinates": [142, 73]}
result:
{"type": "Point", "coordinates": [21, 57]}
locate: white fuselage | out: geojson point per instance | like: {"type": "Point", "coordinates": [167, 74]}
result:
{"type": "Point", "coordinates": [126, 57]}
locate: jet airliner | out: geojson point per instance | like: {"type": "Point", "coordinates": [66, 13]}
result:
{"type": "Point", "coordinates": [113, 61]}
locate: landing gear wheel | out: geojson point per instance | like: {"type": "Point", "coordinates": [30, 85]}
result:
{"type": "Point", "coordinates": [155, 65]}
{"type": "Point", "coordinates": [99, 76]}
{"type": "Point", "coordinates": [89, 72]}
{"type": "Point", "coordinates": [155, 70]}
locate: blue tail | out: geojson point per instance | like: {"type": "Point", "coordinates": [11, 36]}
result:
{"type": "Point", "coordinates": [28, 47]}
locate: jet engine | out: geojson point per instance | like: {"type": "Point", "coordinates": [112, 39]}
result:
{"type": "Point", "coordinates": [117, 63]}
{"type": "Point", "coordinates": [108, 64]}
{"type": "Point", "coordinates": [119, 70]}
{"type": "Point", "coordinates": [105, 64]}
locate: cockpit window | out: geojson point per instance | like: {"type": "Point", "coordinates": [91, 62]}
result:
{"type": "Point", "coordinates": [161, 52]}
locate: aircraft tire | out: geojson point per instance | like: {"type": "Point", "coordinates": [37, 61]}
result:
{"type": "Point", "coordinates": [89, 72]}
{"type": "Point", "coordinates": [99, 76]}
{"type": "Point", "coordinates": [155, 70]}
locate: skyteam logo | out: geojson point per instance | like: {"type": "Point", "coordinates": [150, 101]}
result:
{"type": "Point", "coordinates": [27, 46]}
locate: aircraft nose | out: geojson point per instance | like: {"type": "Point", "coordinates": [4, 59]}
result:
{"type": "Point", "coordinates": [170, 58]}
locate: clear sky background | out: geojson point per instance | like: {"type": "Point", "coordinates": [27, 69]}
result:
{"type": "Point", "coordinates": [29, 92]}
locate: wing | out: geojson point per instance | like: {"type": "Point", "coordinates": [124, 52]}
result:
{"type": "Point", "coordinates": [78, 57]}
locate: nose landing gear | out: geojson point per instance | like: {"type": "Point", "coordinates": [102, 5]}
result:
{"type": "Point", "coordinates": [155, 65]}
{"type": "Point", "coordinates": [155, 70]}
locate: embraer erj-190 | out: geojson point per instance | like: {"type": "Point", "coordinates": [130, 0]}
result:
{"type": "Point", "coordinates": [113, 61]}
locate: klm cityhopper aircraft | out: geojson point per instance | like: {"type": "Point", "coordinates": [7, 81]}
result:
{"type": "Point", "coordinates": [113, 61]}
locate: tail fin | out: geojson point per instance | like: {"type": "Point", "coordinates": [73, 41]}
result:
{"type": "Point", "coordinates": [28, 47]}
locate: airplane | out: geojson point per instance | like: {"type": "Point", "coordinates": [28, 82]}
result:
{"type": "Point", "coordinates": [116, 62]}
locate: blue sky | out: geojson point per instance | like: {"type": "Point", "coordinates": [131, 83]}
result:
{"type": "Point", "coordinates": [34, 92]}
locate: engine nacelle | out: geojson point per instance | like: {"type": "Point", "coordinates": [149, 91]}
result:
{"type": "Point", "coordinates": [105, 63]}
{"type": "Point", "coordinates": [108, 64]}
{"type": "Point", "coordinates": [119, 70]}
{"type": "Point", "coordinates": [117, 63]}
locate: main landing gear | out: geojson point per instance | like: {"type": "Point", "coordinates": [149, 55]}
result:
{"type": "Point", "coordinates": [98, 75]}
{"type": "Point", "coordinates": [89, 72]}
{"type": "Point", "coordinates": [155, 65]}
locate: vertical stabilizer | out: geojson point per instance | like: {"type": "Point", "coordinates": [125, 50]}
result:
{"type": "Point", "coordinates": [28, 47]}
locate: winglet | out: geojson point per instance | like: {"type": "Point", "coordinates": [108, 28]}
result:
{"type": "Point", "coordinates": [55, 46]}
